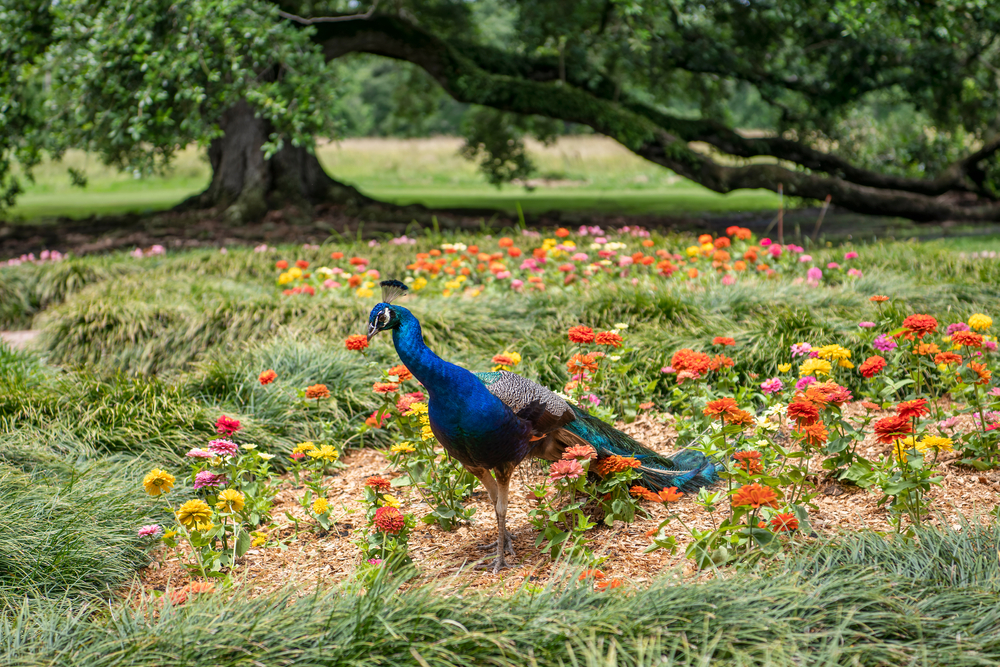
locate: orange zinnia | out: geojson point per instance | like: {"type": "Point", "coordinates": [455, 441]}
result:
{"type": "Point", "coordinates": [267, 377]}
{"type": "Point", "coordinates": [871, 366]}
{"type": "Point", "coordinates": [967, 338]}
{"type": "Point", "coordinates": [785, 522]}
{"type": "Point", "coordinates": [689, 360]}
{"type": "Point", "coordinates": [401, 371]}
{"type": "Point", "coordinates": [721, 408]}
{"type": "Point", "coordinates": [749, 461]}
{"type": "Point", "coordinates": [947, 358]}
{"type": "Point", "coordinates": [921, 324]}
{"type": "Point", "coordinates": [720, 361]}
{"type": "Point", "coordinates": [608, 338]}
{"type": "Point", "coordinates": [613, 464]}
{"type": "Point", "coordinates": [980, 370]}
{"type": "Point", "coordinates": [756, 496]}
{"type": "Point", "coordinates": [892, 428]}
{"type": "Point", "coordinates": [582, 363]}
{"type": "Point", "coordinates": [382, 388]}
{"type": "Point", "coordinates": [356, 342]}
{"type": "Point", "coordinates": [723, 340]}
{"type": "Point", "coordinates": [591, 574]}
{"type": "Point", "coordinates": [878, 298]}
{"type": "Point", "coordinates": [670, 495]}
{"type": "Point", "coordinates": [813, 434]}
{"type": "Point", "coordinates": [317, 391]}
{"type": "Point", "coordinates": [644, 493]}
{"type": "Point", "coordinates": [803, 412]}
{"type": "Point", "coordinates": [581, 334]}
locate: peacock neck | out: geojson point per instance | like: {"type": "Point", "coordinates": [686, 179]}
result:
{"type": "Point", "coordinates": [431, 370]}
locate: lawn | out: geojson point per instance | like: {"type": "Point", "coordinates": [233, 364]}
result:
{"type": "Point", "coordinates": [583, 174]}
{"type": "Point", "coordinates": [862, 555]}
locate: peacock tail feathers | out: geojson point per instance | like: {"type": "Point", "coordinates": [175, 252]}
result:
{"type": "Point", "coordinates": [687, 470]}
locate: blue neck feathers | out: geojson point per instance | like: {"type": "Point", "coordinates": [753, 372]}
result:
{"type": "Point", "coordinates": [432, 371]}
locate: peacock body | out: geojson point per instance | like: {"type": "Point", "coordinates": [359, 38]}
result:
{"type": "Point", "coordinates": [490, 422]}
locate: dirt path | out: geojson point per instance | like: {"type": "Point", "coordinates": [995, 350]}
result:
{"type": "Point", "coordinates": [19, 339]}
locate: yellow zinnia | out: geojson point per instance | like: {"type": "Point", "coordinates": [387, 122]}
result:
{"type": "Point", "coordinates": [832, 352]}
{"type": "Point", "coordinates": [230, 500]}
{"type": "Point", "coordinates": [304, 447]}
{"type": "Point", "coordinates": [426, 433]}
{"type": "Point", "coordinates": [784, 368]}
{"type": "Point", "coordinates": [321, 506]}
{"type": "Point", "coordinates": [419, 284]}
{"type": "Point", "coordinates": [418, 409]}
{"type": "Point", "coordinates": [324, 453]}
{"type": "Point", "coordinates": [935, 442]}
{"type": "Point", "coordinates": [390, 500]}
{"type": "Point", "coordinates": [403, 448]}
{"type": "Point", "coordinates": [194, 512]}
{"type": "Point", "coordinates": [980, 322]}
{"type": "Point", "coordinates": [815, 367]}
{"type": "Point", "coordinates": [158, 482]}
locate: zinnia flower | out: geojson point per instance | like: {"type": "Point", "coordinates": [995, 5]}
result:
{"type": "Point", "coordinates": [223, 447]}
{"type": "Point", "coordinates": [784, 522]}
{"type": "Point", "coordinates": [927, 349]}
{"type": "Point", "coordinates": [771, 386]}
{"type": "Point", "coordinates": [878, 298]}
{"type": "Point", "coordinates": [688, 360]}
{"type": "Point", "coordinates": [389, 520]}
{"type": "Point", "coordinates": [226, 426]}
{"type": "Point", "coordinates": [158, 482]}
{"type": "Point", "coordinates": [356, 342]}
{"type": "Point", "coordinates": [385, 387]}
{"type": "Point", "coordinates": [884, 343]}
{"type": "Point", "coordinates": [915, 408]}
{"type": "Point", "coordinates": [872, 366]}
{"type": "Point", "coordinates": [208, 479]}
{"type": "Point", "coordinates": [401, 372]}
{"type": "Point", "coordinates": [815, 367]}
{"type": "Point", "coordinates": [317, 391]}
{"type": "Point", "coordinates": [644, 493]}
{"type": "Point", "coordinates": [935, 442]}
{"type": "Point", "coordinates": [565, 469]}
{"type": "Point", "coordinates": [756, 496]}
{"type": "Point", "coordinates": [813, 434]}
{"type": "Point", "coordinates": [325, 453]}
{"type": "Point", "coordinates": [152, 530]}
{"type": "Point", "coordinates": [967, 338]}
{"type": "Point", "coordinates": [980, 370]}
{"type": "Point", "coordinates": [803, 412]}
{"type": "Point", "coordinates": [320, 506]}
{"type": "Point", "coordinates": [613, 464]}
{"type": "Point", "coordinates": [891, 428]}
{"type": "Point", "coordinates": [230, 500]}
{"type": "Point", "coordinates": [380, 484]}
{"type": "Point", "coordinates": [582, 363]}
{"type": "Point", "coordinates": [921, 324]}
{"type": "Point", "coordinates": [670, 495]}
{"type": "Point", "coordinates": [608, 338]}
{"type": "Point", "coordinates": [405, 401]}
{"type": "Point", "coordinates": [723, 340]}
{"type": "Point", "coordinates": [980, 322]}
{"type": "Point", "coordinates": [868, 405]}
{"type": "Point", "coordinates": [581, 334]}
{"type": "Point", "coordinates": [721, 408]}
{"type": "Point", "coordinates": [579, 452]}
{"type": "Point", "coordinates": [750, 461]}
{"type": "Point", "coordinates": [194, 512]}
{"type": "Point", "coordinates": [267, 377]}
{"type": "Point", "coordinates": [375, 422]}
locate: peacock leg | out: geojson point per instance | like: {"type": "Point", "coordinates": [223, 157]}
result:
{"type": "Point", "coordinates": [504, 543]}
{"type": "Point", "coordinates": [484, 476]}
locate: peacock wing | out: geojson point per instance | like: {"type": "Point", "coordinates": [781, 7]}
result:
{"type": "Point", "coordinates": [541, 407]}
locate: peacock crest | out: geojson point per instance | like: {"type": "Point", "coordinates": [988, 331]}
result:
{"type": "Point", "coordinates": [392, 289]}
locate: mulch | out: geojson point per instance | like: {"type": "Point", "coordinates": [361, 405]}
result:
{"type": "Point", "coordinates": [313, 559]}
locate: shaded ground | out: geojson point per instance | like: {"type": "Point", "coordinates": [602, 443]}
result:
{"type": "Point", "coordinates": [332, 556]}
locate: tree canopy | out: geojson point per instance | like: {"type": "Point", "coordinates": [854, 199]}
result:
{"type": "Point", "coordinates": [889, 107]}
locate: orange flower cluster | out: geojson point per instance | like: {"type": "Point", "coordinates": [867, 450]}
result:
{"type": "Point", "coordinates": [921, 325]}
{"type": "Point", "coordinates": [385, 387]}
{"type": "Point", "coordinates": [878, 298]}
{"type": "Point", "coordinates": [503, 360]}
{"type": "Point", "coordinates": [720, 361]}
{"type": "Point", "coordinates": [741, 233]}
{"type": "Point", "coordinates": [613, 464]}
{"type": "Point", "coordinates": [608, 338]}
{"type": "Point", "coordinates": [723, 340]}
{"type": "Point", "coordinates": [872, 366]}
{"type": "Point", "coordinates": [755, 496]}
{"type": "Point", "coordinates": [749, 461]}
{"type": "Point", "coordinates": [583, 363]}
{"type": "Point", "coordinates": [891, 428]}
{"type": "Point", "coordinates": [688, 360]}
{"type": "Point", "coordinates": [581, 334]}
{"type": "Point", "coordinates": [967, 338]}
{"type": "Point", "coordinates": [868, 405]}
{"type": "Point", "coordinates": [268, 376]}
{"type": "Point", "coordinates": [317, 391]}
{"type": "Point", "coordinates": [947, 358]}
{"type": "Point", "coordinates": [784, 522]}
{"type": "Point", "coordinates": [401, 371]}
{"type": "Point", "coordinates": [356, 342]}
{"type": "Point", "coordinates": [813, 434]}
{"type": "Point", "coordinates": [722, 408]}
{"type": "Point", "coordinates": [668, 495]}
{"type": "Point", "coordinates": [803, 411]}
{"type": "Point", "coordinates": [380, 484]}
{"type": "Point", "coordinates": [980, 369]}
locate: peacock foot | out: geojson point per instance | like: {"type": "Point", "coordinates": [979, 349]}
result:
{"type": "Point", "coordinates": [499, 563]}
{"type": "Point", "coordinates": [508, 547]}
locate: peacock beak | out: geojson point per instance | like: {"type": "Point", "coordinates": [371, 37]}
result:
{"type": "Point", "coordinates": [372, 330]}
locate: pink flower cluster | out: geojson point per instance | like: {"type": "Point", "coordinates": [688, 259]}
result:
{"type": "Point", "coordinates": [223, 447]}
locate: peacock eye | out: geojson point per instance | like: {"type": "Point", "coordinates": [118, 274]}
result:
{"type": "Point", "coordinates": [384, 317]}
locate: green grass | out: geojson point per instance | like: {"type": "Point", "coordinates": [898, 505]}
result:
{"type": "Point", "coordinates": [591, 174]}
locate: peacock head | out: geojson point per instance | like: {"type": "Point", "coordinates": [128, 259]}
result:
{"type": "Point", "coordinates": [385, 315]}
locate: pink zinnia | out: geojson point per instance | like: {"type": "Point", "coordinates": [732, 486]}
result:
{"type": "Point", "coordinates": [956, 327]}
{"type": "Point", "coordinates": [226, 426]}
{"type": "Point", "coordinates": [855, 273]}
{"type": "Point", "coordinates": [223, 447]}
{"type": "Point", "coordinates": [152, 530]}
{"type": "Point", "coordinates": [851, 255]}
{"type": "Point", "coordinates": [207, 478]}
{"type": "Point", "coordinates": [798, 349]}
{"type": "Point", "coordinates": [199, 454]}
{"type": "Point", "coordinates": [866, 325]}
{"type": "Point", "coordinates": [884, 343]}
{"type": "Point", "coordinates": [805, 382]}
{"type": "Point", "coordinates": [814, 274]}
{"type": "Point", "coordinates": [565, 469]}
{"type": "Point", "coordinates": [771, 386]}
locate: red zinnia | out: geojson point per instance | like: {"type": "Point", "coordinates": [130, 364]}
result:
{"type": "Point", "coordinates": [723, 340]}
{"type": "Point", "coordinates": [581, 334]}
{"type": "Point", "coordinates": [267, 377]}
{"type": "Point", "coordinates": [608, 338]}
{"type": "Point", "coordinates": [302, 264]}
{"type": "Point", "coordinates": [871, 366]}
{"type": "Point", "coordinates": [785, 522]}
{"type": "Point", "coordinates": [226, 426]}
{"type": "Point", "coordinates": [921, 324]}
{"type": "Point", "coordinates": [356, 342]}
{"type": "Point", "coordinates": [892, 428]}
{"type": "Point", "coordinates": [281, 264]}
{"type": "Point", "coordinates": [389, 520]}
{"type": "Point", "coordinates": [915, 408]}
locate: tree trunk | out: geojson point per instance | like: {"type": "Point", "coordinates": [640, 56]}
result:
{"type": "Point", "coordinates": [245, 185]}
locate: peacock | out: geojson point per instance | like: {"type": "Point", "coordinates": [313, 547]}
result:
{"type": "Point", "coordinates": [490, 422]}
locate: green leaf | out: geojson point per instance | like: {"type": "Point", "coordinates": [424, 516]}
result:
{"type": "Point", "coordinates": [242, 544]}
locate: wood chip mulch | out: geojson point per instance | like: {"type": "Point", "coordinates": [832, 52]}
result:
{"type": "Point", "coordinates": [312, 559]}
